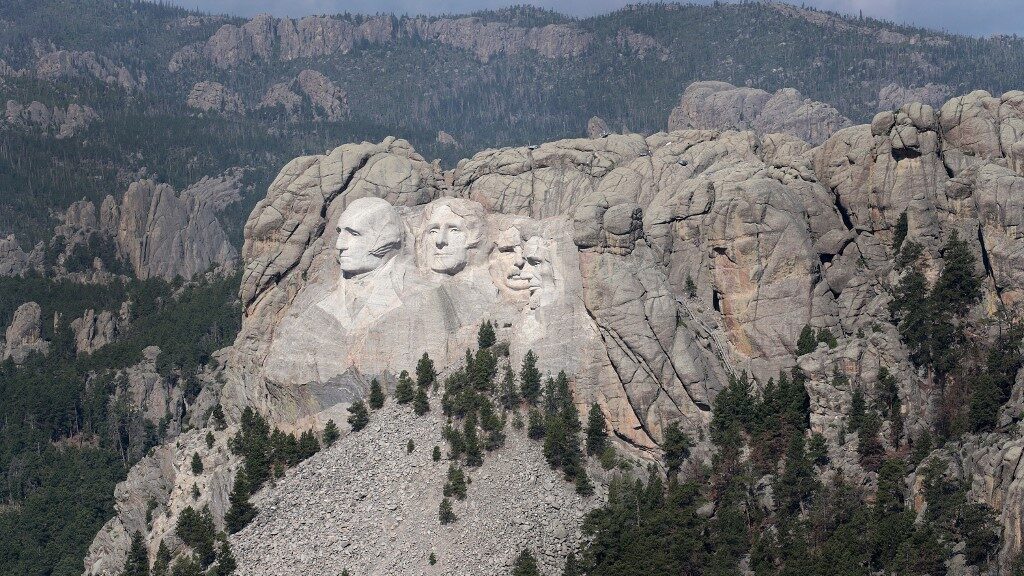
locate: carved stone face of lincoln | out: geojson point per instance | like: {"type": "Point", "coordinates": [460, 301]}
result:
{"type": "Point", "coordinates": [369, 234]}
{"type": "Point", "coordinates": [452, 228]}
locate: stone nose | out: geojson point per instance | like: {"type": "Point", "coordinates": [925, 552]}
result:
{"type": "Point", "coordinates": [441, 238]}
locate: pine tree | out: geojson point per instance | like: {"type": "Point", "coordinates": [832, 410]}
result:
{"type": "Point", "coordinates": [209, 440]}
{"type": "Point", "coordinates": [359, 417]}
{"type": "Point", "coordinates": [187, 566]}
{"type": "Point", "coordinates": [436, 454]}
{"type": "Point", "coordinates": [196, 530]}
{"type": "Point", "coordinates": [137, 563]}
{"type": "Point", "coordinates": [197, 464]}
{"type": "Point", "coordinates": [535, 429]}
{"type": "Point", "coordinates": [420, 403]}
{"type": "Point", "coordinates": [219, 421]}
{"type": "Point", "coordinates": [404, 392]}
{"type": "Point", "coordinates": [456, 484]}
{"type": "Point", "coordinates": [529, 378]}
{"type": "Point", "coordinates": [597, 434]}
{"type": "Point", "coordinates": [676, 446]}
{"type": "Point", "coordinates": [226, 564]}
{"type": "Point", "coordinates": [509, 395]}
{"type": "Point", "coordinates": [162, 564]}
{"type": "Point", "coordinates": [583, 485]}
{"type": "Point", "coordinates": [957, 287]}
{"type": "Point", "coordinates": [817, 450]}
{"type": "Point", "coordinates": [868, 444]}
{"type": "Point", "coordinates": [308, 445]}
{"type": "Point", "coordinates": [410, 446]}
{"type": "Point", "coordinates": [445, 514]}
{"type": "Point", "coordinates": [798, 482]}
{"type": "Point", "coordinates": [572, 566]}
{"type": "Point", "coordinates": [857, 411]}
{"type": "Point", "coordinates": [899, 233]}
{"type": "Point", "coordinates": [240, 511]}
{"type": "Point", "coordinates": [525, 565]}
{"type": "Point", "coordinates": [485, 336]}
{"type": "Point", "coordinates": [807, 341]}
{"type": "Point", "coordinates": [331, 433]}
{"type": "Point", "coordinates": [425, 373]}
{"type": "Point", "coordinates": [474, 455]}
{"type": "Point", "coordinates": [376, 395]}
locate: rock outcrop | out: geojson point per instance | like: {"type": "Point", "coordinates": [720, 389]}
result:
{"type": "Point", "coordinates": [722, 106]}
{"type": "Point", "coordinates": [265, 38]}
{"type": "Point", "coordinates": [209, 96]}
{"type": "Point", "coordinates": [164, 235]}
{"type": "Point", "coordinates": [597, 127]}
{"type": "Point", "coordinates": [894, 96]}
{"type": "Point", "coordinates": [649, 269]}
{"type": "Point", "coordinates": [16, 262]}
{"type": "Point", "coordinates": [71, 64]}
{"type": "Point", "coordinates": [24, 335]}
{"type": "Point", "coordinates": [157, 232]}
{"type": "Point", "coordinates": [312, 91]}
{"type": "Point", "coordinates": [93, 331]}
{"type": "Point", "coordinates": [61, 123]}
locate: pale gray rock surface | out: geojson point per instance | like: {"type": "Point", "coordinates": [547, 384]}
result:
{"type": "Point", "coordinates": [265, 38]}
{"type": "Point", "coordinates": [310, 92]}
{"type": "Point", "coordinates": [210, 96]}
{"type": "Point", "coordinates": [65, 63]}
{"type": "Point", "coordinates": [368, 506]}
{"type": "Point", "coordinates": [722, 106]}
{"type": "Point", "coordinates": [893, 96]}
{"type": "Point", "coordinates": [327, 99]}
{"type": "Point", "coordinates": [163, 235]}
{"type": "Point", "coordinates": [16, 262]}
{"type": "Point", "coordinates": [59, 122]}
{"type": "Point", "coordinates": [597, 127]}
{"type": "Point", "coordinates": [24, 335]}
{"type": "Point", "coordinates": [157, 232]}
{"type": "Point", "coordinates": [93, 331]}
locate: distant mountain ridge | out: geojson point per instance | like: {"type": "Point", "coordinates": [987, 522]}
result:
{"type": "Point", "coordinates": [269, 89]}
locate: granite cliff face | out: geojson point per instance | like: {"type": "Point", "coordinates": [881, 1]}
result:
{"type": "Point", "coordinates": [265, 38]}
{"type": "Point", "coordinates": [650, 269]}
{"type": "Point", "coordinates": [156, 232]}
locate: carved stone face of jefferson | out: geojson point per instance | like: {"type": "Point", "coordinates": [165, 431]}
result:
{"type": "Point", "coordinates": [452, 228]}
{"type": "Point", "coordinates": [369, 234]}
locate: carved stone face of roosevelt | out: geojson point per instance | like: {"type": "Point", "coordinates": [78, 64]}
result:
{"type": "Point", "coordinates": [452, 228]}
{"type": "Point", "coordinates": [369, 234]}
{"type": "Point", "coordinates": [507, 261]}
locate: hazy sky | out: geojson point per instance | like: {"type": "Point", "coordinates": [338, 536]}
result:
{"type": "Point", "coordinates": [977, 17]}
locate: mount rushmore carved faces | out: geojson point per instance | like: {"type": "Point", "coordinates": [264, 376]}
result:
{"type": "Point", "coordinates": [452, 227]}
{"type": "Point", "coordinates": [369, 234]}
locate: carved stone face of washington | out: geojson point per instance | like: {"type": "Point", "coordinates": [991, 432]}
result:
{"type": "Point", "coordinates": [452, 228]}
{"type": "Point", "coordinates": [369, 234]}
